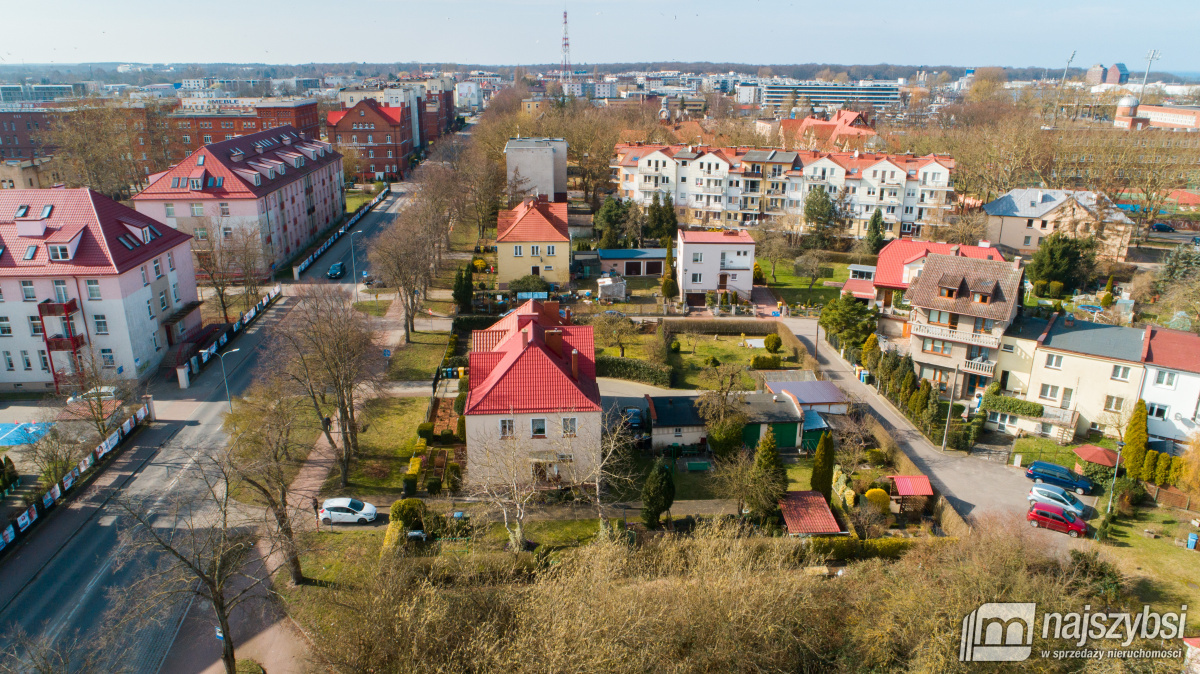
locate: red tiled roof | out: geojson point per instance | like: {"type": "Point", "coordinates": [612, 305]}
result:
{"type": "Point", "coordinates": [95, 218]}
{"type": "Point", "coordinates": [394, 114]}
{"type": "Point", "coordinates": [1094, 454]}
{"type": "Point", "coordinates": [534, 220]}
{"type": "Point", "coordinates": [515, 374]}
{"type": "Point", "coordinates": [912, 485]}
{"type": "Point", "coordinates": [735, 236]}
{"type": "Point", "coordinates": [806, 512]}
{"type": "Point", "coordinates": [889, 270]}
{"type": "Point", "coordinates": [861, 288]}
{"type": "Point", "coordinates": [1172, 349]}
{"type": "Point", "coordinates": [236, 177]}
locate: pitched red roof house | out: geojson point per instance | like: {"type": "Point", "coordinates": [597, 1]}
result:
{"type": "Point", "coordinates": [1173, 349]}
{"type": "Point", "coordinates": [737, 236]}
{"type": "Point", "coordinates": [533, 361]}
{"type": "Point", "coordinates": [827, 134]}
{"type": "Point", "coordinates": [807, 513]}
{"type": "Point", "coordinates": [889, 269]}
{"type": "Point", "coordinates": [534, 220]}
{"type": "Point", "coordinates": [108, 238]}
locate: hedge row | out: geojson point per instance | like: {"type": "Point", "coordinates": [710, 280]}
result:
{"type": "Point", "coordinates": [710, 326]}
{"type": "Point", "coordinates": [994, 402]}
{"type": "Point", "coordinates": [463, 325]}
{"type": "Point", "coordinates": [850, 258]}
{"type": "Point", "coordinates": [633, 370]}
{"type": "Point", "coordinates": [846, 548]}
{"type": "Point", "coordinates": [764, 362]}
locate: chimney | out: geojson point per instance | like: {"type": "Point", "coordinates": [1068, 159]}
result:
{"type": "Point", "coordinates": [524, 338]}
{"type": "Point", "coordinates": [1069, 321]}
{"type": "Point", "coordinates": [954, 250]}
{"type": "Point", "coordinates": [1016, 262]}
{"type": "Point", "coordinates": [568, 316]}
{"type": "Point", "coordinates": [554, 340]}
{"type": "Point", "coordinates": [575, 364]}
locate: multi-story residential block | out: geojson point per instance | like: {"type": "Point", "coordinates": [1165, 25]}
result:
{"type": "Point", "coordinates": [381, 134]}
{"type": "Point", "coordinates": [21, 128]}
{"type": "Point", "coordinates": [37, 173]}
{"type": "Point", "coordinates": [961, 308]}
{"type": "Point", "coordinates": [1020, 219]}
{"type": "Point", "coordinates": [277, 185]}
{"type": "Point", "coordinates": [901, 262]}
{"type": "Point", "coordinates": [784, 95]}
{"type": "Point", "coordinates": [541, 163]}
{"type": "Point", "coordinates": [712, 262]}
{"type": "Point", "coordinates": [208, 121]}
{"type": "Point", "coordinates": [744, 185]}
{"type": "Point", "coordinates": [533, 408]}
{"type": "Point", "coordinates": [83, 277]}
{"type": "Point", "coordinates": [1171, 387]}
{"type": "Point", "coordinates": [533, 239]}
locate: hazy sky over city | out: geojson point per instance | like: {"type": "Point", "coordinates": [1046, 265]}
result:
{"type": "Point", "coordinates": [975, 32]}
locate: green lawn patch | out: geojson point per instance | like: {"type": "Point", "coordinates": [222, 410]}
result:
{"type": "Point", "coordinates": [548, 534]}
{"type": "Point", "coordinates": [417, 360]}
{"type": "Point", "coordinates": [800, 474]}
{"type": "Point", "coordinates": [689, 364]}
{"type": "Point", "coordinates": [1045, 449]}
{"type": "Point", "coordinates": [375, 308]}
{"type": "Point", "coordinates": [794, 289]}
{"type": "Point", "coordinates": [1162, 574]}
{"type": "Point", "coordinates": [384, 449]}
{"type": "Point", "coordinates": [356, 198]}
{"type": "Point", "coordinates": [440, 307]}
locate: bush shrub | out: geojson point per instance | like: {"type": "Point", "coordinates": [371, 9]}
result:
{"type": "Point", "coordinates": [461, 434]}
{"type": "Point", "coordinates": [1097, 473]}
{"type": "Point", "coordinates": [880, 499]}
{"type": "Point", "coordinates": [1106, 301]}
{"type": "Point", "coordinates": [765, 362]}
{"type": "Point", "coordinates": [773, 343]}
{"type": "Point", "coordinates": [410, 485]}
{"type": "Point", "coordinates": [1039, 288]}
{"type": "Point", "coordinates": [453, 477]}
{"type": "Point", "coordinates": [447, 435]}
{"type": "Point", "coordinates": [849, 549]}
{"type": "Point", "coordinates": [407, 512]}
{"type": "Point", "coordinates": [670, 288]}
{"type": "Point", "coordinates": [1055, 288]}
{"type": "Point", "coordinates": [460, 402]}
{"type": "Point", "coordinates": [464, 384]}
{"type": "Point", "coordinates": [633, 370]}
{"type": "Point", "coordinates": [998, 403]}
{"type": "Point", "coordinates": [433, 485]}
{"type": "Point", "coordinates": [675, 346]}
{"type": "Point", "coordinates": [877, 457]}
{"type": "Point", "coordinates": [425, 430]}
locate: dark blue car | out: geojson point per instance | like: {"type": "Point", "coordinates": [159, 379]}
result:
{"type": "Point", "coordinates": [1051, 473]}
{"type": "Point", "coordinates": [336, 270]}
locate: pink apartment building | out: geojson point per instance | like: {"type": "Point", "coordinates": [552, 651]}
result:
{"type": "Point", "coordinates": [278, 183]}
{"type": "Point", "coordinates": [82, 276]}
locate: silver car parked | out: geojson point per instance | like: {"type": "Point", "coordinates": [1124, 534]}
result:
{"type": "Point", "coordinates": [1048, 493]}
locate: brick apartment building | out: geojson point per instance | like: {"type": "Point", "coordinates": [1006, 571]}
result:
{"type": "Point", "coordinates": [382, 134]}
{"type": "Point", "coordinates": [285, 187]}
{"type": "Point", "coordinates": [19, 127]}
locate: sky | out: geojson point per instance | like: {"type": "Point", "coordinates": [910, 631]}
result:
{"type": "Point", "coordinates": [967, 33]}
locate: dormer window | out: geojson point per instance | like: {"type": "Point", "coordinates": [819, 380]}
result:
{"type": "Point", "coordinates": [145, 235]}
{"type": "Point", "coordinates": [59, 252]}
{"type": "Point", "coordinates": [979, 298]}
{"type": "Point", "coordinates": [946, 292]}
{"type": "Point", "coordinates": [194, 184]}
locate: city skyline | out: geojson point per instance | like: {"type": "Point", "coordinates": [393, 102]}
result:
{"type": "Point", "coordinates": [1021, 33]}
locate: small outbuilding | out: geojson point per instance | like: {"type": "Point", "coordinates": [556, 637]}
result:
{"type": "Point", "coordinates": [633, 261]}
{"type": "Point", "coordinates": [822, 396]}
{"type": "Point", "coordinates": [910, 491]}
{"type": "Point", "coordinates": [1094, 454]}
{"type": "Point", "coordinates": [807, 514]}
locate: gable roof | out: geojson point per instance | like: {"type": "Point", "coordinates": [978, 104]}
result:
{"type": "Point", "coordinates": [528, 368]}
{"type": "Point", "coordinates": [233, 164]}
{"type": "Point", "coordinates": [1032, 202]}
{"type": "Point", "coordinates": [104, 228]}
{"type": "Point", "coordinates": [889, 269]}
{"type": "Point", "coordinates": [1000, 280]}
{"type": "Point", "coordinates": [732, 236]}
{"type": "Point", "coordinates": [534, 220]}
{"type": "Point", "coordinates": [393, 114]}
{"type": "Point", "coordinates": [806, 512]}
{"type": "Point", "coordinates": [912, 485]}
{"type": "Point", "coordinates": [1174, 349]}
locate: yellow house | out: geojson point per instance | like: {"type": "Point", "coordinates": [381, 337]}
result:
{"type": "Point", "coordinates": [533, 239]}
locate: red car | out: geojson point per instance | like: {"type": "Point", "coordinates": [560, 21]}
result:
{"type": "Point", "coordinates": [1055, 518]}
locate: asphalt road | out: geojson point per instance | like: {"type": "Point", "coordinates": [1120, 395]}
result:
{"type": "Point", "coordinates": [71, 594]}
{"type": "Point", "coordinates": [364, 231]}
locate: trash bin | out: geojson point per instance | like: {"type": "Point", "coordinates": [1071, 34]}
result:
{"type": "Point", "coordinates": [1192, 541]}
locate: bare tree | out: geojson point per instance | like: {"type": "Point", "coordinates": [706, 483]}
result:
{"type": "Point", "coordinates": [502, 474]}
{"type": "Point", "coordinates": [614, 330]}
{"type": "Point", "coordinates": [517, 188]}
{"type": "Point", "coordinates": [54, 455]}
{"type": "Point", "coordinates": [329, 347]}
{"type": "Point", "coordinates": [967, 229]}
{"type": "Point", "coordinates": [95, 143]}
{"type": "Point", "coordinates": [352, 163]}
{"type": "Point", "coordinates": [405, 260]}
{"type": "Point", "coordinates": [44, 654]}
{"type": "Point", "coordinates": [736, 479]}
{"type": "Point", "coordinates": [244, 250]}
{"type": "Point", "coordinates": [810, 264]}
{"type": "Point", "coordinates": [775, 248]}
{"type": "Point", "coordinates": [217, 260]}
{"type": "Point", "coordinates": [723, 395]}
{"type": "Point", "coordinates": [482, 182]}
{"type": "Point", "coordinates": [93, 391]}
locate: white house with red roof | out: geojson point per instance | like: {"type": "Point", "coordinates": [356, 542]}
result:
{"type": "Point", "coordinates": [83, 277]}
{"type": "Point", "coordinates": [1171, 385]}
{"type": "Point", "coordinates": [285, 188]}
{"type": "Point", "coordinates": [533, 409]}
{"type": "Point", "coordinates": [901, 262]}
{"type": "Point", "coordinates": [714, 261]}
{"type": "Point", "coordinates": [533, 239]}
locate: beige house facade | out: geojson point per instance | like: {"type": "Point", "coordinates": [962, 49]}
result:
{"type": "Point", "coordinates": [1023, 218]}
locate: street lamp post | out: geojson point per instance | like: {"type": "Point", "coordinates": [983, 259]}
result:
{"type": "Point", "coordinates": [353, 265]}
{"type": "Point", "coordinates": [1112, 487]}
{"type": "Point", "coordinates": [224, 377]}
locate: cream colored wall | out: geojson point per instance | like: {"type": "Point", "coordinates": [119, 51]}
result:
{"type": "Point", "coordinates": [1090, 379]}
{"type": "Point", "coordinates": [490, 459]}
{"type": "Point", "coordinates": [511, 268]}
{"type": "Point", "coordinates": [1018, 364]}
{"type": "Point", "coordinates": [1011, 231]}
{"type": "Point", "coordinates": [665, 436]}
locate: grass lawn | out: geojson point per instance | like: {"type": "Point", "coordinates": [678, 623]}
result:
{"type": "Point", "coordinates": [549, 534]}
{"type": "Point", "coordinates": [417, 360]}
{"type": "Point", "coordinates": [1162, 574]}
{"type": "Point", "coordinates": [689, 365]}
{"type": "Point", "coordinates": [210, 309]}
{"type": "Point", "coordinates": [689, 486]}
{"type": "Point", "coordinates": [1044, 449]}
{"type": "Point", "coordinates": [356, 198]}
{"type": "Point", "coordinates": [794, 289]}
{"type": "Point", "coordinates": [375, 308]}
{"type": "Point", "coordinates": [800, 474]}
{"type": "Point", "coordinates": [384, 449]}
{"type": "Point", "coordinates": [440, 307]}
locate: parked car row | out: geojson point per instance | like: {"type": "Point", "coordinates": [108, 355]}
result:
{"type": "Point", "coordinates": [1054, 499]}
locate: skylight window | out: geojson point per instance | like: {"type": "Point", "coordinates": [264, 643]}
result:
{"type": "Point", "coordinates": [155, 230]}
{"type": "Point", "coordinates": [30, 252]}
{"type": "Point", "coordinates": [175, 182]}
{"type": "Point", "coordinates": [220, 181]}
{"type": "Point", "coordinates": [21, 211]}
{"type": "Point", "coordinates": [124, 242]}
{"type": "Point", "coordinates": [46, 210]}
{"type": "Point", "coordinates": [200, 160]}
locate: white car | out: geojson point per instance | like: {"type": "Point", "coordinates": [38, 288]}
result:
{"type": "Point", "coordinates": [98, 393]}
{"type": "Point", "coordinates": [346, 511]}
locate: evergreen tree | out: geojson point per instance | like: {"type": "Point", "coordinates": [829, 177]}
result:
{"type": "Point", "coordinates": [463, 291]}
{"type": "Point", "coordinates": [919, 400]}
{"type": "Point", "coordinates": [930, 416]}
{"type": "Point", "coordinates": [820, 219]}
{"type": "Point", "coordinates": [654, 218]}
{"type": "Point", "coordinates": [871, 353]}
{"type": "Point", "coordinates": [1068, 260]}
{"type": "Point", "coordinates": [658, 493]}
{"type": "Point", "coordinates": [849, 319]}
{"type": "Point", "coordinates": [670, 219]}
{"type": "Point", "coordinates": [610, 237]}
{"type": "Point", "coordinates": [1108, 287]}
{"type": "Point", "coordinates": [908, 386]}
{"type": "Point", "coordinates": [611, 213]}
{"type": "Point", "coordinates": [669, 268]}
{"type": "Point", "coordinates": [1149, 466]}
{"type": "Point", "coordinates": [822, 472]}
{"type": "Point", "coordinates": [875, 231]}
{"type": "Point", "coordinates": [768, 466]}
{"type": "Point", "coordinates": [1162, 470]}
{"type": "Point", "coordinates": [1136, 437]}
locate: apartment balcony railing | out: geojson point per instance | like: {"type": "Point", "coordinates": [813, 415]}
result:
{"type": "Point", "coordinates": [961, 336]}
{"type": "Point", "coordinates": [649, 170]}
{"type": "Point", "coordinates": [712, 189]}
{"type": "Point", "coordinates": [775, 193]}
{"type": "Point", "coordinates": [50, 308]}
{"type": "Point", "coordinates": [62, 343]}
{"type": "Point", "coordinates": [736, 266]}
{"type": "Point", "coordinates": [751, 173]}
{"type": "Point", "coordinates": [984, 367]}
{"type": "Point", "coordinates": [752, 190]}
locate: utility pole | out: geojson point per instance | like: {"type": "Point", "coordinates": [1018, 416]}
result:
{"type": "Point", "coordinates": [950, 410]}
{"type": "Point", "coordinates": [1151, 56]}
{"type": "Point", "coordinates": [1061, 84]}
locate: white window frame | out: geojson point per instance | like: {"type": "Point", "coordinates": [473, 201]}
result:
{"type": "Point", "coordinates": [698, 257]}
{"type": "Point", "coordinates": [93, 289]}
{"type": "Point", "coordinates": [535, 250]}
{"type": "Point", "coordinates": [28, 294]}
{"type": "Point", "coordinates": [1050, 389]}
{"type": "Point", "coordinates": [517, 251]}
{"type": "Point", "coordinates": [507, 428]}
{"type": "Point", "coordinates": [101, 323]}
{"type": "Point", "coordinates": [1120, 372]}
{"type": "Point", "coordinates": [533, 428]}
{"type": "Point", "coordinates": [1164, 379]}
{"type": "Point", "coordinates": [35, 327]}
{"type": "Point", "coordinates": [571, 423]}
{"type": "Point", "coordinates": [550, 250]}
{"type": "Point", "coordinates": [5, 327]}
{"type": "Point", "coordinates": [697, 278]}
{"type": "Point", "coordinates": [1113, 403]}
{"type": "Point", "coordinates": [1153, 411]}
{"type": "Point", "coordinates": [1054, 361]}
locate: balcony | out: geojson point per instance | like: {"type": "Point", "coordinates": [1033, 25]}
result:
{"type": "Point", "coordinates": [50, 308]}
{"type": "Point", "coordinates": [649, 170]}
{"type": "Point", "coordinates": [775, 193]}
{"type": "Point", "coordinates": [712, 189]}
{"type": "Point", "coordinates": [961, 336]}
{"type": "Point", "coordinates": [983, 367]}
{"type": "Point", "coordinates": [60, 343]}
